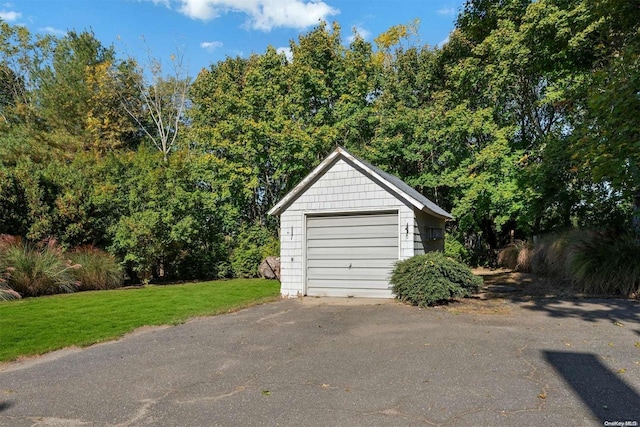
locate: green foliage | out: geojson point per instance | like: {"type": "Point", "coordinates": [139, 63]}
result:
{"type": "Point", "coordinates": [38, 325]}
{"type": "Point", "coordinates": [454, 249]}
{"type": "Point", "coordinates": [252, 246]}
{"type": "Point", "coordinates": [607, 143]}
{"type": "Point", "coordinates": [432, 278]}
{"type": "Point", "coordinates": [98, 270]}
{"type": "Point", "coordinates": [165, 220]}
{"type": "Point", "coordinates": [525, 122]}
{"type": "Point", "coordinates": [28, 269]}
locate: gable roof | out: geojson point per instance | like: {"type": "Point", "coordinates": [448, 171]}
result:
{"type": "Point", "coordinates": [387, 181]}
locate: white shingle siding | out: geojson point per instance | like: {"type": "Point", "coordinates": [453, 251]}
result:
{"type": "Point", "coordinates": [422, 222]}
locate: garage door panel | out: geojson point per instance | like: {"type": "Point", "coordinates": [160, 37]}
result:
{"type": "Point", "coordinates": [361, 242]}
{"type": "Point", "coordinates": [348, 273]}
{"type": "Point", "coordinates": [332, 253]}
{"type": "Point", "coordinates": [349, 284]}
{"type": "Point", "coordinates": [338, 262]}
{"type": "Point", "coordinates": [352, 220]}
{"type": "Point", "coordinates": [349, 292]}
{"type": "Point", "coordinates": [351, 255]}
{"type": "Point", "coordinates": [356, 232]}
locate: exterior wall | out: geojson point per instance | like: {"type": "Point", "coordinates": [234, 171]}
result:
{"type": "Point", "coordinates": [342, 189]}
{"type": "Point", "coordinates": [422, 242]}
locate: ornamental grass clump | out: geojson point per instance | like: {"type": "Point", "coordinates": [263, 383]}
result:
{"type": "Point", "coordinates": [604, 262]}
{"type": "Point", "coordinates": [37, 269]}
{"type": "Point", "coordinates": [98, 270]}
{"type": "Point", "coordinates": [516, 256]}
{"type": "Point", "coordinates": [432, 278]}
{"type": "Point", "coordinates": [6, 293]}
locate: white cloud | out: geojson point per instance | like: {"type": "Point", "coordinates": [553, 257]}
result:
{"type": "Point", "coordinates": [362, 32]}
{"type": "Point", "coordinates": [53, 31]}
{"type": "Point", "coordinates": [210, 46]}
{"type": "Point", "coordinates": [446, 11]}
{"type": "Point", "coordinates": [9, 16]}
{"type": "Point", "coordinates": [204, 10]}
{"type": "Point", "coordinates": [287, 52]}
{"type": "Point", "coordinates": [262, 14]}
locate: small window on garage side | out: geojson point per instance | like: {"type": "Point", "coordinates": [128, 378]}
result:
{"type": "Point", "coordinates": [435, 233]}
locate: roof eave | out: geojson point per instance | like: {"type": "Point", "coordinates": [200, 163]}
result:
{"type": "Point", "coordinates": [416, 203]}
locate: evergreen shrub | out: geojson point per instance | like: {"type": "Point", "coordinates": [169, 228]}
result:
{"type": "Point", "coordinates": [432, 278]}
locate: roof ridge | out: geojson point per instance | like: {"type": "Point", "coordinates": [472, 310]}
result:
{"type": "Point", "coordinates": [386, 180]}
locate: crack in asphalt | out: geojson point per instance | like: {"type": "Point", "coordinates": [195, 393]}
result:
{"type": "Point", "coordinates": [271, 318]}
{"type": "Point", "coordinates": [395, 412]}
{"type": "Point", "coordinates": [144, 410]}
{"type": "Point", "coordinates": [238, 389]}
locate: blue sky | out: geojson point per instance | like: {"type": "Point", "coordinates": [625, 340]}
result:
{"type": "Point", "coordinates": [210, 30]}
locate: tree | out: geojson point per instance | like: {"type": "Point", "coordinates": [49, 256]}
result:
{"type": "Point", "coordinates": [164, 221]}
{"type": "Point", "coordinates": [22, 58]}
{"type": "Point", "coordinates": [608, 141]}
{"type": "Point", "coordinates": [63, 91]}
{"type": "Point", "coordinates": [266, 120]}
{"type": "Point", "coordinates": [159, 112]}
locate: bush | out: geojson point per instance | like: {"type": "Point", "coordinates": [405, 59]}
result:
{"type": "Point", "coordinates": [606, 262]}
{"type": "Point", "coordinates": [98, 269]}
{"type": "Point", "coordinates": [6, 293]}
{"type": "Point", "coordinates": [454, 249]}
{"type": "Point", "coordinates": [432, 278]}
{"type": "Point", "coordinates": [38, 269]}
{"type": "Point", "coordinates": [252, 245]}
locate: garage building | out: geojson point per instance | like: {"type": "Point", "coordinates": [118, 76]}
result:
{"type": "Point", "coordinates": [346, 224]}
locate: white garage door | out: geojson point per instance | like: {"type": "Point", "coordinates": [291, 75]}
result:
{"type": "Point", "coordinates": [351, 255]}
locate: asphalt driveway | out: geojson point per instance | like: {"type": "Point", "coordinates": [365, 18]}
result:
{"type": "Point", "coordinates": [295, 362]}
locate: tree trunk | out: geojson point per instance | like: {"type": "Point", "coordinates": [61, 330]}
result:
{"type": "Point", "coordinates": [635, 221]}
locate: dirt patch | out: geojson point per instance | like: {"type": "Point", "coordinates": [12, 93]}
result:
{"type": "Point", "coordinates": [480, 306]}
{"type": "Point", "coordinates": [504, 283]}
{"type": "Point", "coordinates": [502, 287]}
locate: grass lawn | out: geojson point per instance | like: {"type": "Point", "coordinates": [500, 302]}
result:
{"type": "Point", "coordinates": [38, 325]}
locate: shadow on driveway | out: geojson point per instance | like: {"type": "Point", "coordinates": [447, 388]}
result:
{"type": "Point", "coordinates": [615, 310]}
{"type": "Point", "coordinates": [4, 405]}
{"type": "Point", "coordinates": [606, 395]}
{"type": "Point", "coordinates": [555, 298]}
